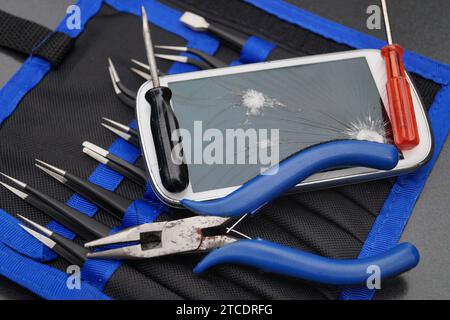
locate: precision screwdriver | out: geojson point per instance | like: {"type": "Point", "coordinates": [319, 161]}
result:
{"type": "Point", "coordinates": [164, 124]}
{"type": "Point", "coordinates": [401, 108]}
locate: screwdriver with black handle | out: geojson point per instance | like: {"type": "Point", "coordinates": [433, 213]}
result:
{"type": "Point", "coordinates": [164, 125]}
{"type": "Point", "coordinates": [401, 107]}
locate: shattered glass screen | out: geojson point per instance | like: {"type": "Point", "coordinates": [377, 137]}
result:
{"type": "Point", "coordinates": [306, 105]}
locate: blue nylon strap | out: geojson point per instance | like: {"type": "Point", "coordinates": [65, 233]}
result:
{"type": "Point", "coordinates": [256, 50]}
{"type": "Point", "coordinates": [399, 205]}
{"type": "Point", "coordinates": [28, 76]}
{"type": "Point", "coordinates": [41, 279]}
{"type": "Point", "coordinates": [150, 194]}
{"type": "Point", "coordinates": [140, 212]}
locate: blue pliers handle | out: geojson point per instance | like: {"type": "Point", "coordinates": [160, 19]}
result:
{"type": "Point", "coordinates": [276, 258]}
{"type": "Point", "coordinates": [279, 259]}
{"type": "Point", "coordinates": [254, 194]}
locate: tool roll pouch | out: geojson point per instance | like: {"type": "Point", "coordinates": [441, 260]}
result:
{"type": "Point", "coordinates": [47, 114]}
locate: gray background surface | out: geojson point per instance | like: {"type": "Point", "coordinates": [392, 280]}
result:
{"type": "Point", "coordinates": [419, 25]}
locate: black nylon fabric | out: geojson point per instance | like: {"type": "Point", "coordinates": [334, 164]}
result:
{"type": "Point", "coordinates": [65, 109]}
{"type": "Point", "coordinates": [31, 38]}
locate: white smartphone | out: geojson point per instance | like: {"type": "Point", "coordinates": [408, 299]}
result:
{"type": "Point", "coordinates": [309, 100]}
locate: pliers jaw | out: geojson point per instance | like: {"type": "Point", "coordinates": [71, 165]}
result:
{"type": "Point", "coordinates": [166, 238]}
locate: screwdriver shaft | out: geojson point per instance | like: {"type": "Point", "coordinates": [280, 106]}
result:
{"type": "Point", "coordinates": [149, 49]}
{"type": "Point", "coordinates": [386, 21]}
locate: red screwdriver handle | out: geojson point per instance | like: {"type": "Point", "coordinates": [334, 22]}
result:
{"type": "Point", "coordinates": [401, 107]}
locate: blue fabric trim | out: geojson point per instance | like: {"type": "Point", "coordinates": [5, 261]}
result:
{"type": "Point", "coordinates": [25, 79]}
{"type": "Point", "coordinates": [256, 50]}
{"type": "Point", "coordinates": [140, 212]}
{"type": "Point", "coordinates": [13, 236]}
{"type": "Point", "coordinates": [150, 194]}
{"type": "Point", "coordinates": [399, 205]}
{"type": "Point", "coordinates": [41, 279]}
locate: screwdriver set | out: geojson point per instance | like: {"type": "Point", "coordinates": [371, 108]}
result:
{"type": "Point", "coordinates": [344, 118]}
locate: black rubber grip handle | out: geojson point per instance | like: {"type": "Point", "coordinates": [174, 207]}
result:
{"type": "Point", "coordinates": [164, 124]}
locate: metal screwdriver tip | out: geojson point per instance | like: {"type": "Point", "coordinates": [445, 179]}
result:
{"type": "Point", "coordinates": [387, 22]}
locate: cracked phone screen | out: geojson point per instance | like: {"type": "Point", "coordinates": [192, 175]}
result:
{"type": "Point", "coordinates": [236, 126]}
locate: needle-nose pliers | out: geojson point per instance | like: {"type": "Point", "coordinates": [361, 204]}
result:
{"type": "Point", "coordinates": [191, 235]}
